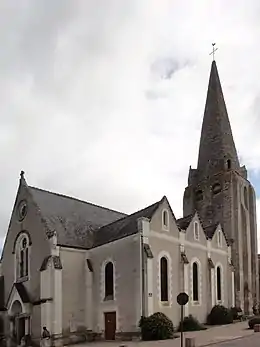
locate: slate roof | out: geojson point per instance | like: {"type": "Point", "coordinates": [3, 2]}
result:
{"type": "Point", "coordinates": [216, 139]}
{"type": "Point", "coordinates": [123, 227]}
{"type": "Point", "coordinates": [73, 220]}
{"type": "Point", "coordinates": [210, 230]}
{"type": "Point", "coordinates": [184, 222]}
{"type": "Point", "coordinates": [22, 292]}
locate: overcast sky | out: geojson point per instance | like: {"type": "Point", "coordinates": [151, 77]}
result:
{"type": "Point", "coordinates": [103, 100]}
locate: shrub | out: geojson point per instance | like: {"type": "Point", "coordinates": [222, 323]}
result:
{"type": "Point", "coordinates": [220, 315]}
{"type": "Point", "coordinates": [156, 327]}
{"type": "Point", "coordinates": [236, 312]}
{"type": "Point", "coordinates": [253, 321]}
{"type": "Point", "coordinates": [190, 323]}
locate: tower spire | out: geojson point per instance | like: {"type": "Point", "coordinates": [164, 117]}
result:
{"type": "Point", "coordinates": [217, 148]}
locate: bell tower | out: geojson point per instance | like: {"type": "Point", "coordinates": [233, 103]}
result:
{"type": "Point", "coordinates": [220, 191]}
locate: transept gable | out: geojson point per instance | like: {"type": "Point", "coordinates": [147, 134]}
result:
{"type": "Point", "coordinates": [195, 231]}
{"type": "Point", "coordinates": [163, 219]}
{"type": "Point", "coordinates": [218, 237]}
{"type": "Point", "coordinates": [18, 215]}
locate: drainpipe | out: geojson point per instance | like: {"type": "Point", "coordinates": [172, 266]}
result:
{"type": "Point", "coordinates": [142, 274]}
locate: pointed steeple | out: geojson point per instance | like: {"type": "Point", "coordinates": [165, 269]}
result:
{"type": "Point", "coordinates": [217, 150]}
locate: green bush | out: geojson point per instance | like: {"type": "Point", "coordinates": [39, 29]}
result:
{"type": "Point", "coordinates": [190, 323]}
{"type": "Point", "coordinates": [156, 327]}
{"type": "Point", "coordinates": [236, 312]}
{"type": "Point", "coordinates": [220, 315]}
{"type": "Point", "coordinates": [253, 321]}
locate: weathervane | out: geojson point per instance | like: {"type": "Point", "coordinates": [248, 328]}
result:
{"type": "Point", "coordinates": [213, 51]}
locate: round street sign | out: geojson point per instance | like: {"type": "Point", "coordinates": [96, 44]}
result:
{"type": "Point", "coordinates": [182, 299]}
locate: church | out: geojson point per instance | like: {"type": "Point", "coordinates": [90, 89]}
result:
{"type": "Point", "coordinates": [78, 268]}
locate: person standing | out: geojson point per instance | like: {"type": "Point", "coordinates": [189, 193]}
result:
{"type": "Point", "coordinates": [46, 337]}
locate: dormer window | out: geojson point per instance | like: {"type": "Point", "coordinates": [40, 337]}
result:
{"type": "Point", "coordinates": [165, 219]}
{"type": "Point", "coordinates": [196, 231]}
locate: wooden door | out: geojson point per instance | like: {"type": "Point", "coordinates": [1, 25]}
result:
{"type": "Point", "coordinates": [110, 325]}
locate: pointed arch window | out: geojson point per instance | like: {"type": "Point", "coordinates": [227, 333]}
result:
{"type": "Point", "coordinates": [229, 164]}
{"type": "Point", "coordinates": [109, 281]}
{"type": "Point", "coordinates": [164, 279]}
{"type": "Point", "coordinates": [219, 279]}
{"type": "Point", "coordinates": [22, 263]}
{"type": "Point", "coordinates": [195, 282]}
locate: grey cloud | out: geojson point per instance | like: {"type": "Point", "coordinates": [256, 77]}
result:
{"type": "Point", "coordinates": [84, 110]}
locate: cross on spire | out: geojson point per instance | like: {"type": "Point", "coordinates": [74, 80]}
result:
{"type": "Point", "coordinates": [213, 51]}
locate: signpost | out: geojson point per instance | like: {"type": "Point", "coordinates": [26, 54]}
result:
{"type": "Point", "coordinates": [182, 300]}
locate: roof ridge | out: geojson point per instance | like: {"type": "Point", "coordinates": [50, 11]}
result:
{"type": "Point", "coordinates": [76, 199]}
{"type": "Point", "coordinates": [131, 215]}
{"type": "Point", "coordinates": [184, 217]}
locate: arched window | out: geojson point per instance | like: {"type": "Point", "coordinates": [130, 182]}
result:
{"type": "Point", "coordinates": [164, 279]}
{"type": "Point", "coordinates": [109, 281]}
{"type": "Point", "coordinates": [229, 164]}
{"type": "Point", "coordinates": [219, 238]}
{"type": "Point", "coordinates": [165, 219]}
{"type": "Point", "coordinates": [219, 296]}
{"type": "Point", "coordinates": [22, 257]}
{"type": "Point", "coordinates": [196, 231]}
{"type": "Point", "coordinates": [195, 282]}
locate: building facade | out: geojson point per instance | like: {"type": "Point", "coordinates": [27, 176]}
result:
{"type": "Point", "coordinates": [78, 268]}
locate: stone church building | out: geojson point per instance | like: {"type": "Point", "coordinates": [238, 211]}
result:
{"type": "Point", "coordinates": [73, 266]}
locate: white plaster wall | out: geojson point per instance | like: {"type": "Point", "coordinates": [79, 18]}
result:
{"type": "Point", "coordinates": [125, 255]}
{"type": "Point", "coordinates": [73, 288]}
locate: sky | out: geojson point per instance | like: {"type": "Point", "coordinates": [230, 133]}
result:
{"type": "Point", "coordinates": [103, 100]}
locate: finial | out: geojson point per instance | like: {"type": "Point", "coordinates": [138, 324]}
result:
{"type": "Point", "coordinates": [22, 174]}
{"type": "Point", "coordinates": [213, 51]}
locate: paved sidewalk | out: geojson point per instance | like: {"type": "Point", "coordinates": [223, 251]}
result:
{"type": "Point", "coordinates": [211, 336]}
{"type": "Point", "coordinates": [219, 334]}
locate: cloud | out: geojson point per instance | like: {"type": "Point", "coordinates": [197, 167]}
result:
{"type": "Point", "coordinates": [104, 100]}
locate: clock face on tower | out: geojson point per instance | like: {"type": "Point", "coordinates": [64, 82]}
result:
{"type": "Point", "coordinates": [22, 210]}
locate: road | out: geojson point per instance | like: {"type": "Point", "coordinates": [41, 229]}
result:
{"type": "Point", "coordinates": [250, 341]}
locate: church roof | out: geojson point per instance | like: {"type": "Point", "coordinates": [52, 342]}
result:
{"type": "Point", "coordinates": [82, 224]}
{"type": "Point", "coordinates": [184, 222]}
{"type": "Point", "coordinates": [210, 230]}
{"type": "Point", "coordinates": [73, 220]}
{"type": "Point", "coordinates": [123, 227]}
{"type": "Point", "coordinates": [216, 142]}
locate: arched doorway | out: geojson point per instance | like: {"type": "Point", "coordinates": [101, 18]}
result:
{"type": "Point", "coordinates": [17, 321]}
